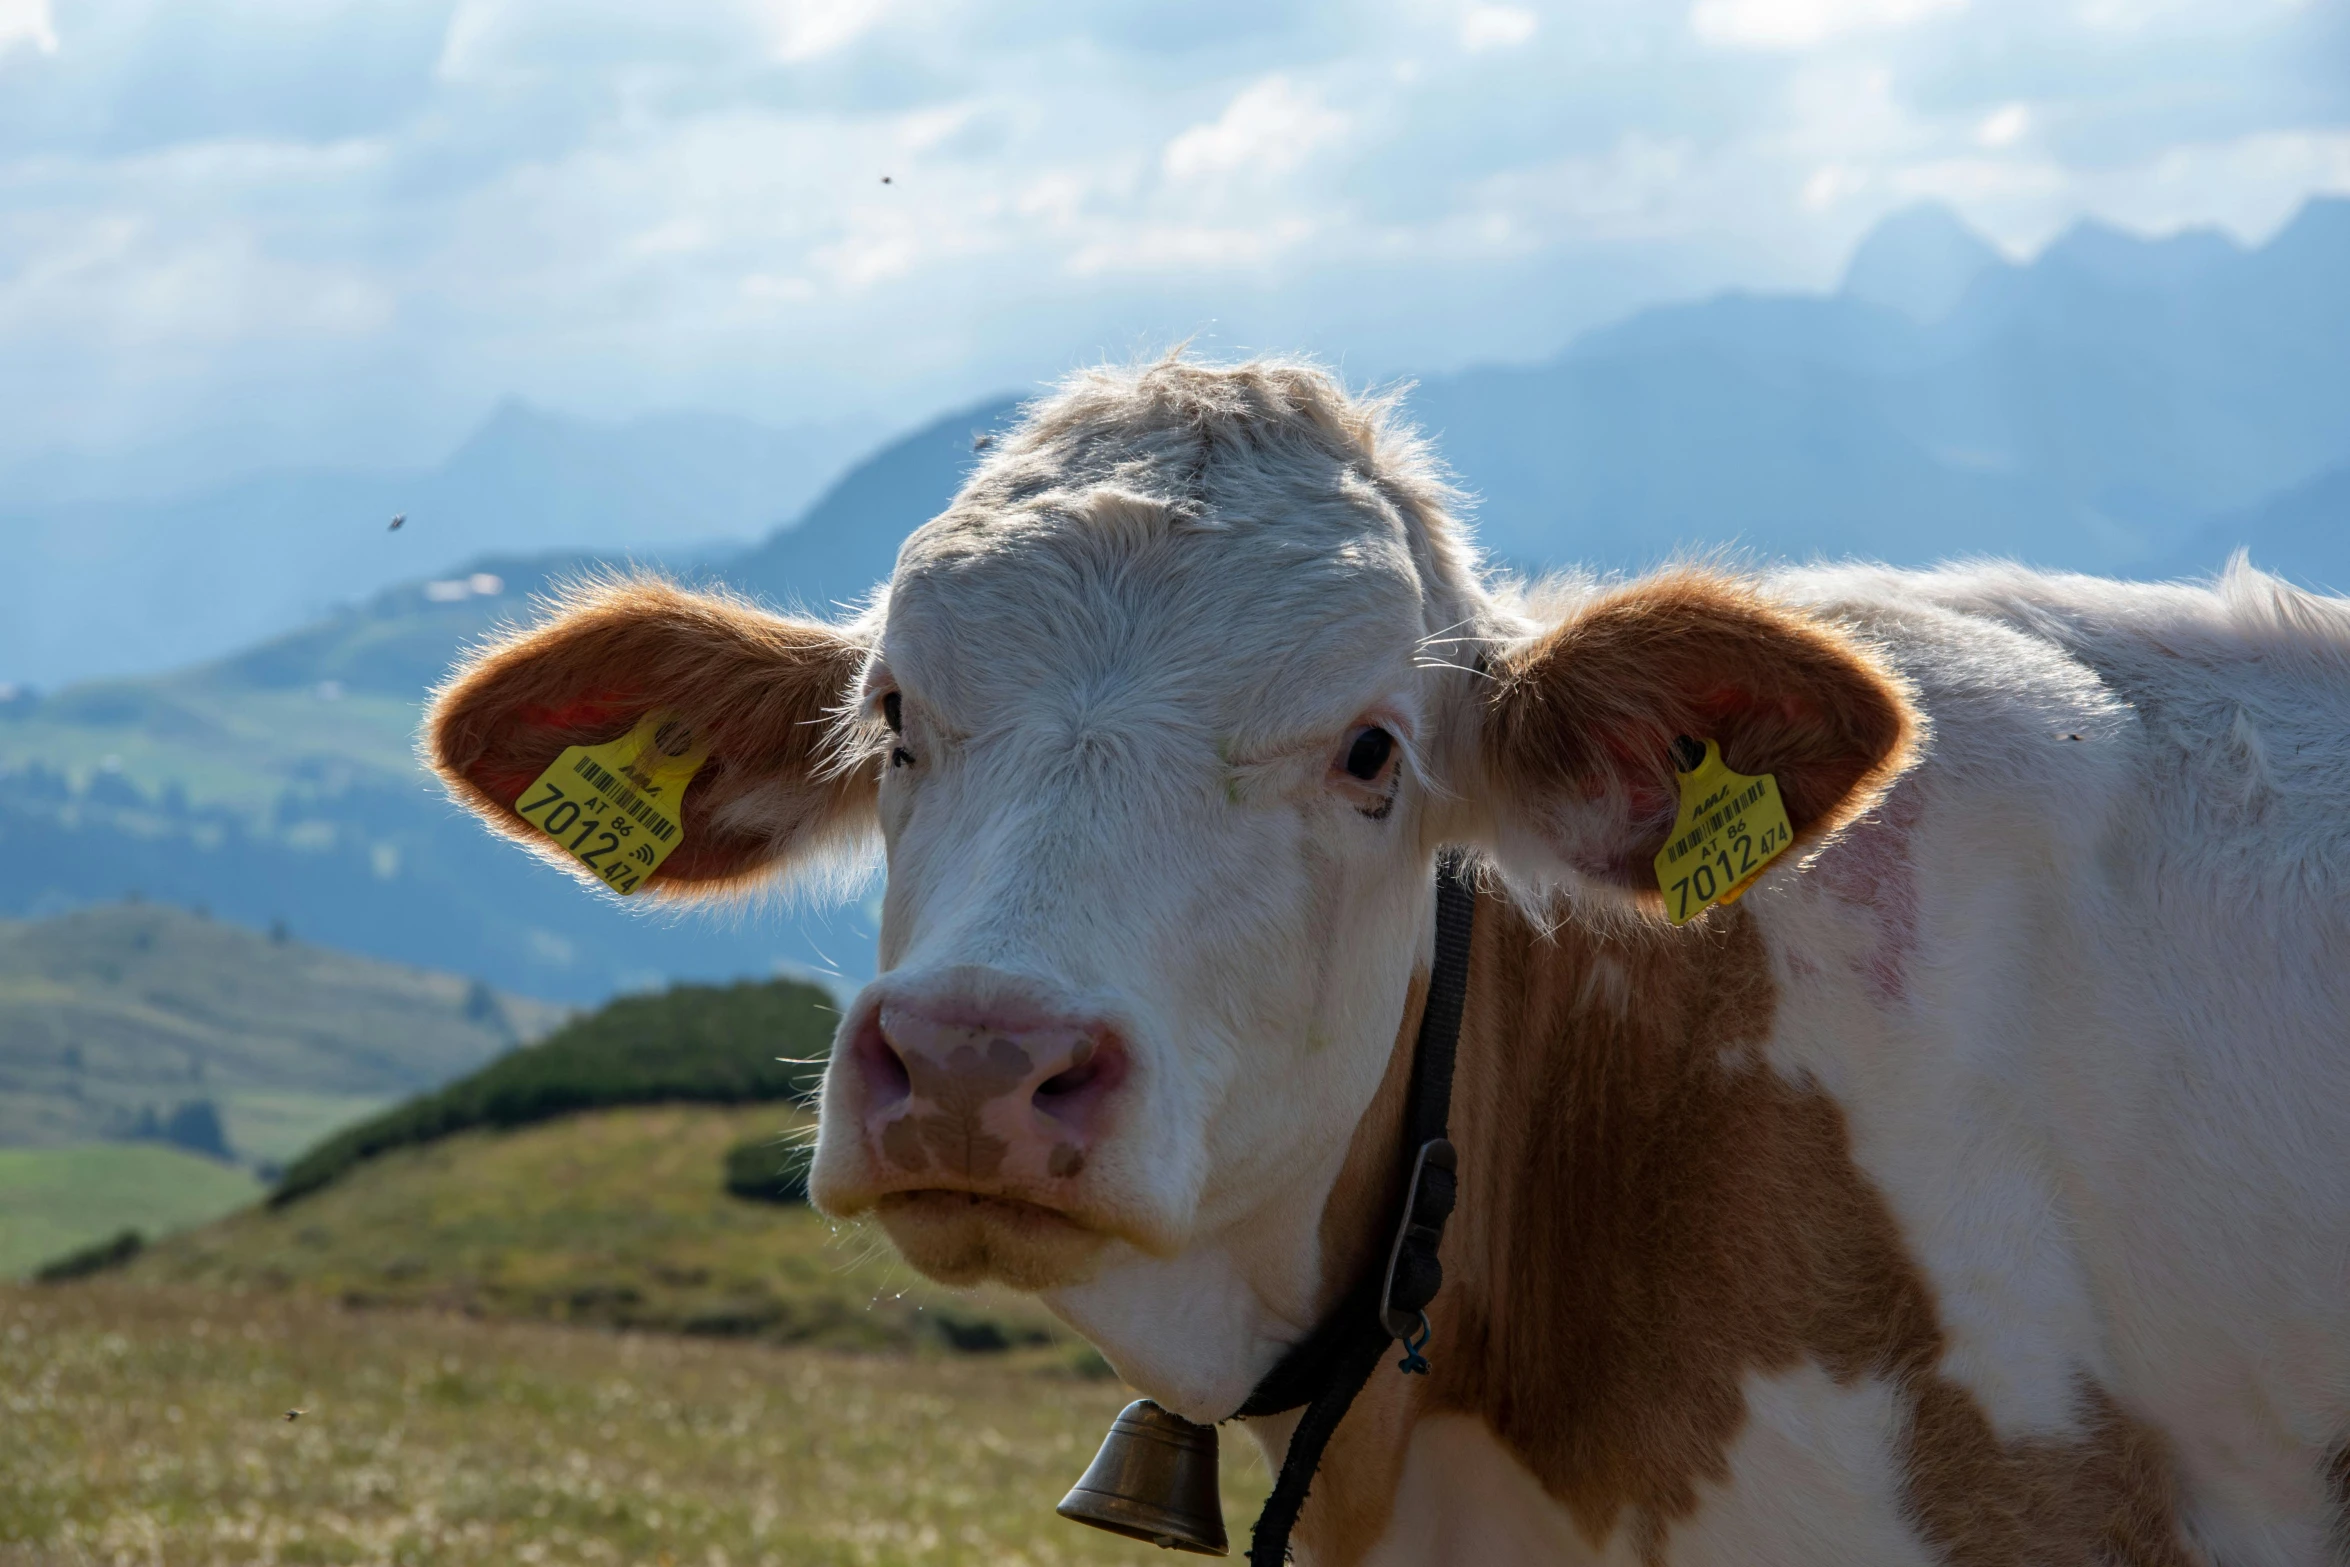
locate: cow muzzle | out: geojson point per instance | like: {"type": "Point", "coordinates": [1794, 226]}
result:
{"type": "Point", "coordinates": [995, 1105]}
{"type": "Point", "coordinates": [979, 1111]}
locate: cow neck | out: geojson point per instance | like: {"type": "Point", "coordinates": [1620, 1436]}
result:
{"type": "Point", "coordinates": [1326, 1370]}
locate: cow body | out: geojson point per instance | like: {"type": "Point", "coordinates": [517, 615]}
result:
{"type": "Point", "coordinates": [1975, 1196]}
{"type": "Point", "coordinates": [1963, 1194]}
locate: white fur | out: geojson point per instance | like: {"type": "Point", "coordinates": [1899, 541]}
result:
{"type": "Point", "coordinates": [2079, 983]}
{"type": "Point", "coordinates": [1462, 1497]}
{"type": "Point", "coordinates": [1811, 1480]}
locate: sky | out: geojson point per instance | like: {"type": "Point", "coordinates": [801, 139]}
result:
{"type": "Point", "coordinates": [247, 232]}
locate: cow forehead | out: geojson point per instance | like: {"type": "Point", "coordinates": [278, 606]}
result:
{"type": "Point", "coordinates": [1114, 605]}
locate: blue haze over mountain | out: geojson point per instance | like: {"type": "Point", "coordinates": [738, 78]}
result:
{"type": "Point", "coordinates": [132, 583]}
{"type": "Point", "coordinates": [1920, 261]}
{"type": "Point", "coordinates": [2090, 410]}
{"type": "Point", "coordinates": [2115, 404]}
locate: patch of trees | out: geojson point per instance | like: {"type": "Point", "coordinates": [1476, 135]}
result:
{"type": "Point", "coordinates": [103, 1257]}
{"type": "Point", "coordinates": [193, 1125]}
{"type": "Point", "coordinates": [708, 1044]}
{"type": "Point", "coordinates": [768, 1169]}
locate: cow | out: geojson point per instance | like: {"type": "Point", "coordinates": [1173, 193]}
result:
{"type": "Point", "coordinates": [1973, 1190]}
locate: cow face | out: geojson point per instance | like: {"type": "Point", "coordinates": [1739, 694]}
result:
{"type": "Point", "coordinates": [1159, 726]}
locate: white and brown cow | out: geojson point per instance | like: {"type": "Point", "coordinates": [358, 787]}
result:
{"type": "Point", "coordinates": [1975, 1191]}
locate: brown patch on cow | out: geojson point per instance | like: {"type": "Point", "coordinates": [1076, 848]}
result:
{"type": "Point", "coordinates": [1369, 1185]}
{"type": "Point", "coordinates": [1370, 1182]}
{"type": "Point", "coordinates": [1065, 1160]}
{"type": "Point", "coordinates": [758, 689]}
{"type": "Point", "coordinates": [959, 1089]}
{"type": "Point", "coordinates": [1580, 723]}
{"type": "Point", "coordinates": [2106, 1495]}
{"type": "Point", "coordinates": [1650, 1215]}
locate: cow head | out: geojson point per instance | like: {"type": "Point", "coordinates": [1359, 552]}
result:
{"type": "Point", "coordinates": [1160, 726]}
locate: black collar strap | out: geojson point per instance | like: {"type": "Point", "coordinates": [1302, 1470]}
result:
{"type": "Point", "coordinates": [1326, 1369]}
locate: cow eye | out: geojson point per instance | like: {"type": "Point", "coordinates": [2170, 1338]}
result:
{"type": "Point", "coordinates": [893, 713]}
{"type": "Point", "coordinates": [1367, 753]}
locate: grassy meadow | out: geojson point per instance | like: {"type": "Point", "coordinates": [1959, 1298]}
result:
{"type": "Point", "coordinates": [557, 1342]}
{"type": "Point", "coordinates": [617, 1218]}
{"type": "Point", "coordinates": [145, 1423]}
{"type": "Point", "coordinates": [56, 1200]}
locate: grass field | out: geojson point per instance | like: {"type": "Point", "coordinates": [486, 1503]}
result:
{"type": "Point", "coordinates": [56, 1200]}
{"type": "Point", "coordinates": [220, 743]}
{"type": "Point", "coordinates": [616, 1217]}
{"type": "Point", "coordinates": [146, 1424]}
{"type": "Point", "coordinates": [278, 1124]}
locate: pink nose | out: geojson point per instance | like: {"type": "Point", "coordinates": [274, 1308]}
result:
{"type": "Point", "coordinates": [984, 1103]}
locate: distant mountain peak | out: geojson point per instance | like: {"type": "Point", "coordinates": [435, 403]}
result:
{"type": "Point", "coordinates": [2118, 256]}
{"type": "Point", "coordinates": [1919, 261]}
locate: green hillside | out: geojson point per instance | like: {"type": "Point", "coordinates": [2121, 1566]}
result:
{"type": "Point", "coordinates": [57, 1200]}
{"type": "Point", "coordinates": [613, 1217]}
{"type": "Point", "coordinates": [114, 1015]}
{"type": "Point", "coordinates": [630, 1170]}
{"type": "Point", "coordinates": [712, 1044]}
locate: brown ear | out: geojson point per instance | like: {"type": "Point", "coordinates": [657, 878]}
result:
{"type": "Point", "coordinates": [1580, 722]}
{"type": "Point", "coordinates": [760, 691]}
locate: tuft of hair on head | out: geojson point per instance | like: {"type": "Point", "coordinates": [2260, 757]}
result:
{"type": "Point", "coordinates": [1161, 429]}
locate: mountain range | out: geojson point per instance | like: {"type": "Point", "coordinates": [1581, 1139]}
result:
{"type": "Point", "coordinates": [2098, 408]}
{"type": "Point", "coordinates": [131, 584]}
{"type": "Point", "coordinates": [2113, 404]}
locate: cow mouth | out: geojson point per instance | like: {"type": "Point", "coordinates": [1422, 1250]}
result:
{"type": "Point", "coordinates": [965, 1238]}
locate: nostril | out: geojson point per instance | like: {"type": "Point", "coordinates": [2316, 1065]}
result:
{"type": "Point", "coordinates": [1082, 1069]}
{"type": "Point", "coordinates": [1068, 1082]}
{"type": "Point", "coordinates": [885, 1069]}
{"type": "Point", "coordinates": [1093, 1070]}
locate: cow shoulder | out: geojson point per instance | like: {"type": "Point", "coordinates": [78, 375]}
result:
{"type": "Point", "coordinates": [1678, 1304]}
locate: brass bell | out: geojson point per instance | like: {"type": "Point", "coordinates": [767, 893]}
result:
{"type": "Point", "coordinates": [1155, 1480]}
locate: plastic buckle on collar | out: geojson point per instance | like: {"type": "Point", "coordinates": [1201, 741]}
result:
{"type": "Point", "coordinates": [1415, 1360]}
{"type": "Point", "coordinates": [1413, 1273]}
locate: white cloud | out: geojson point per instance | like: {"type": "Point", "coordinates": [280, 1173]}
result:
{"type": "Point", "coordinates": [1164, 248]}
{"type": "Point", "coordinates": [1486, 27]}
{"type": "Point", "coordinates": [1639, 187]}
{"type": "Point", "coordinates": [617, 206]}
{"type": "Point", "coordinates": [1270, 128]}
{"type": "Point", "coordinates": [2129, 16]}
{"type": "Point", "coordinates": [1831, 183]}
{"type": "Point", "coordinates": [2247, 184]}
{"type": "Point", "coordinates": [2004, 126]}
{"type": "Point", "coordinates": [29, 23]}
{"type": "Point", "coordinates": [1791, 25]}
{"type": "Point", "coordinates": [810, 29]}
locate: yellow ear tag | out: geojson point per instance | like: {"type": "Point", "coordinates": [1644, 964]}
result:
{"type": "Point", "coordinates": [617, 808]}
{"type": "Point", "coordinates": [1730, 827]}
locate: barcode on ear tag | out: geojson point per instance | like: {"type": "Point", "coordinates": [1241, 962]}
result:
{"type": "Point", "coordinates": [1730, 827]}
{"type": "Point", "coordinates": [618, 808]}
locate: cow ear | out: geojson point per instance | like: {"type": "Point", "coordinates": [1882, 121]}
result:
{"type": "Point", "coordinates": [1580, 722]}
{"type": "Point", "coordinates": [763, 694]}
